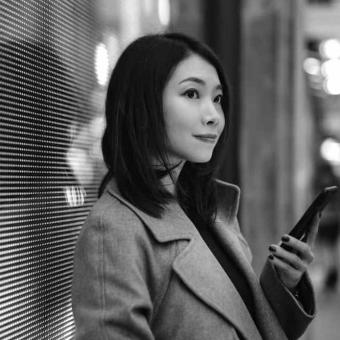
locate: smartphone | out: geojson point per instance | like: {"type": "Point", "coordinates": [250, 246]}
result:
{"type": "Point", "coordinates": [302, 228]}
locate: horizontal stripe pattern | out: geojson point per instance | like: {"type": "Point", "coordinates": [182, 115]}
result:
{"type": "Point", "coordinates": [46, 80]}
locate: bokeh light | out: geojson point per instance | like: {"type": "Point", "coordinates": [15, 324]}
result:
{"type": "Point", "coordinates": [330, 151]}
{"type": "Point", "coordinates": [164, 12]}
{"type": "Point", "coordinates": [312, 66]}
{"type": "Point", "coordinates": [330, 48]}
{"type": "Point", "coordinates": [102, 64]}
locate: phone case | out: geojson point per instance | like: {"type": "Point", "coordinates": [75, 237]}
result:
{"type": "Point", "coordinates": [302, 227]}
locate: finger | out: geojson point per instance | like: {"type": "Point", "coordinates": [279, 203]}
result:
{"type": "Point", "coordinates": [288, 275]}
{"type": "Point", "coordinates": [291, 258]}
{"type": "Point", "coordinates": [302, 249]}
{"type": "Point", "coordinates": [314, 230]}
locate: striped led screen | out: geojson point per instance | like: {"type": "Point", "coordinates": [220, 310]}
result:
{"type": "Point", "coordinates": [49, 163]}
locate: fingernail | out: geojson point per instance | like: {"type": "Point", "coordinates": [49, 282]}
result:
{"type": "Point", "coordinates": [272, 248]}
{"type": "Point", "coordinates": [271, 257]}
{"type": "Point", "coordinates": [285, 238]}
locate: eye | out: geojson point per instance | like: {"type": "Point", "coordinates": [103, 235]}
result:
{"type": "Point", "coordinates": [192, 94]}
{"type": "Point", "coordinates": [218, 99]}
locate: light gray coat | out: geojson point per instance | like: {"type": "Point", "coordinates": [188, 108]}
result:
{"type": "Point", "coordinates": [140, 277]}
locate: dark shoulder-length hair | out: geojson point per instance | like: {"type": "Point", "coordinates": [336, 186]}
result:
{"type": "Point", "coordinates": [135, 133]}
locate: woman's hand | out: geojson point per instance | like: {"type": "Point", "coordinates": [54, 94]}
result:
{"type": "Point", "coordinates": [291, 264]}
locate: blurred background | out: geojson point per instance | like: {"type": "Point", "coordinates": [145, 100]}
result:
{"type": "Point", "coordinates": [283, 61]}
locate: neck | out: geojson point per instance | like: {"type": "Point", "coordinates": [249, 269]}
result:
{"type": "Point", "coordinates": [169, 182]}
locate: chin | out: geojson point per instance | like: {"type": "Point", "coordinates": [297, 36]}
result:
{"type": "Point", "coordinates": [201, 158]}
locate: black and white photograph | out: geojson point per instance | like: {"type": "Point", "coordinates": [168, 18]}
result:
{"type": "Point", "coordinates": [169, 169]}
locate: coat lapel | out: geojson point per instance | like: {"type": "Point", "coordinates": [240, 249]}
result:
{"type": "Point", "coordinates": [233, 246]}
{"type": "Point", "coordinates": [201, 272]}
{"type": "Point", "coordinates": [238, 249]}
{"type": "Point", "coordinates": [197, 266]}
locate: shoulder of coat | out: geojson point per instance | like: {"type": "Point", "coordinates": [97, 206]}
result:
{"type": "Point", "coordinates": [108, 211]}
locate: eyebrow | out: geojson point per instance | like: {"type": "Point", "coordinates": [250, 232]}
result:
{"type": "Point", "coordinates": [199, 81]}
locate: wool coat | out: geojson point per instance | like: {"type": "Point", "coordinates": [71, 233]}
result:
{"type": "Point", "coordinates": [146, 278]}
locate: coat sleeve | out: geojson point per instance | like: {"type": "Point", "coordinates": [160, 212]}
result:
{"type": "Point", "coordinates": [294, 314]}
{"type": "Point", "coordinates": [111, 296]}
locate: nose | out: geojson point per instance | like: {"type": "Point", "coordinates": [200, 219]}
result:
{"type": "Point", "coordinates": [212, 116]}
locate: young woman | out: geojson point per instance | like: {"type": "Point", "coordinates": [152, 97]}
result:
{"type": "Point", "coordinates": [161, 255]}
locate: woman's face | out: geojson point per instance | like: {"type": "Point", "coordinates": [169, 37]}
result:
{"type": "Point", "coordinates": [193, 114]}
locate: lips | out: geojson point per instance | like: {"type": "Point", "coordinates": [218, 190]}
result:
{"type": "Point", "coordinates": [207, 138]}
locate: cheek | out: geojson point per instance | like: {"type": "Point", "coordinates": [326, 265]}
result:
{"type": "Point", "coordinates": [177, 134]}
{"type": "Point", "coordinates": [222, 123]}
{"type": "Point", "coordinates": [177, 118]}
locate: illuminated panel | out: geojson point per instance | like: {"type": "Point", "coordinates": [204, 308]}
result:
{"type": "Point", "coordinates": [49, 171]}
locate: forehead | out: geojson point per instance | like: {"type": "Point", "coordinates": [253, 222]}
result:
{"type": "Point", "coordinates": [195, 66]}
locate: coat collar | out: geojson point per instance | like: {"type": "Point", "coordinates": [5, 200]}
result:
{"type": "Point", "coordinates": [170, 227]}
{"type": "Point", "coordinates": [174, 224]}
{"type": "Point", "coordinates": [196, 265]}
